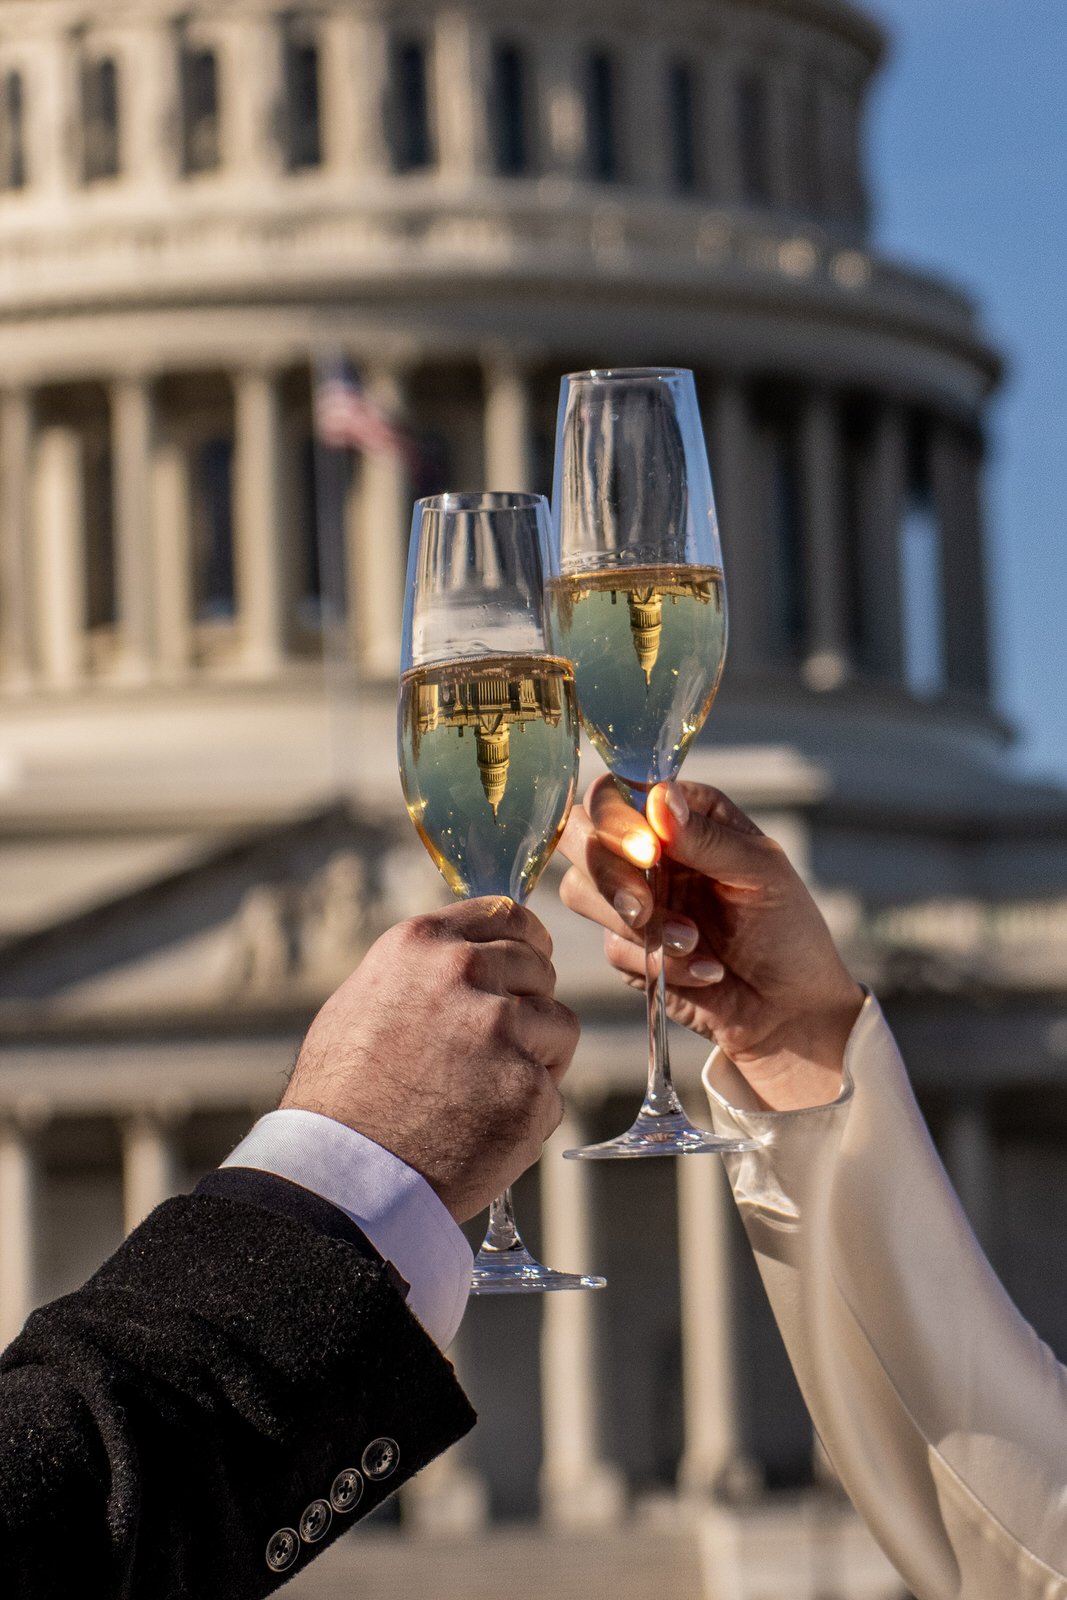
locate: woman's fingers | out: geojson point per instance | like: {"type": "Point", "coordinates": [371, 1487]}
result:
{"type": "Point", "coordinates": [699, 970]}
{"type": "Point", "coordinates": [701, 828]}
{"type": "Point", "coordinates": [621, 886]}
{"type": "Point", "coordinates": [624, 831]}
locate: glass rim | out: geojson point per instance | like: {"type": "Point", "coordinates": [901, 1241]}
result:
{"type": "Point", "coordinates": [615, 374]}
{"type": "Point", "coordinates": [481, 500]}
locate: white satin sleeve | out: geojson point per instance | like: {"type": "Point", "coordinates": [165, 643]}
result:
{"type": "Point", "coordinates": [943, 1413]}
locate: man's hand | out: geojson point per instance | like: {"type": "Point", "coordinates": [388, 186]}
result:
{"type": "Point", "coordinates": [750, 961]}
{"type": "Point", "coordinates": [447, 1047]}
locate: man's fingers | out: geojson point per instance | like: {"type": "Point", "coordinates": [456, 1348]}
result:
{"type": "Point", "coordinates": [492, 917]}
{"type": "Point", "coordinates": [547, 1032]}
{"type": "Point", "coordinates": [703, 829]}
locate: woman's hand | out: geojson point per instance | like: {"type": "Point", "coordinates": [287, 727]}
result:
{"type": "Point", "coordinates": [750, 961]}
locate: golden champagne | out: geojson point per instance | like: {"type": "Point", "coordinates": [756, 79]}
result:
{"type": "Point", "coordinates": [489, 764]}
{"type": "Point", "coordinates": [648, 645]}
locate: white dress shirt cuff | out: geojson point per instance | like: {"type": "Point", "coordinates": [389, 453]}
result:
{"type": "Point", "coordinates": [391, 1202]}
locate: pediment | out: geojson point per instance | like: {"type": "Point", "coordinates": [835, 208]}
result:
{"type": "Point", "coordinates": [272, 919]}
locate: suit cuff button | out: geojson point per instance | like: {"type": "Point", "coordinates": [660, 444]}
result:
{"type": "Point", "coordinates": [315, 1520]}
{"type": "Point", "coordinates": [346, 1491]}
{"type": "Point", "coordinates": [381, 1458]}
{"type": "Point", "coordinates": [283, 1548]}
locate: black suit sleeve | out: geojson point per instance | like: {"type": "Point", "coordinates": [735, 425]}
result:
{"type": "Point", "coordinates": [232, 1384]}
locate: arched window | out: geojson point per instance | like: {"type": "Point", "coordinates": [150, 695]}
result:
{"type": "Point", "coordinates": [601, 110]}
{"type": "Point", "coordinates": [410, 134]}
{"type": "Point", "coordinates": [303, 112]}
{"type": "Point", "coordinates": [199, 75]}
{"type": "Point", "coordinates": [752, 138]}
{"type": "Point", "coordinates": [510, 110]}
{"type": "Point", "coordinates": [682, 126]}
{"type": "Point", "coordinates": [12, 132]}
{"type": "Point", "coordinates": [100, 155]}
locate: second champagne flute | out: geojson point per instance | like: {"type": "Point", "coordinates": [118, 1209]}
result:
{"type": "Point", "coordinates": [642, 612]}
{"type": "Point", "coordinates": [488, 740]}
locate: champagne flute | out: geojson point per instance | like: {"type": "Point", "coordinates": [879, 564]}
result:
{"type": "Point", "coordinates": [488, 740]}
{"type": "Point", "coordinates": [641, 606]}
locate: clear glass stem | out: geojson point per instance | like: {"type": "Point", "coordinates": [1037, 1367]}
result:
{"type": "Point", "coordinates": [502, 1233]}
{"type": "Point", "coordinates": [660, 1098]}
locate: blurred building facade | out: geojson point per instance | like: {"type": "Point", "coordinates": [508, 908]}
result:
{"type": "Point", "coordinates": [463, 199]}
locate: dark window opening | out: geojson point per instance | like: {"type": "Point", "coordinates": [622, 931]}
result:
{"type": "Point", "coordinates": [303, 110]}
{"type": "Point", "coordinates": [12, 132]}
{"type": "Point", "coordinates": [752, 139]}
{"type": "Point", "coordinates": [101, 592]}
{"type": "Point", "coordinates": [201, 150]}
{"type": "Point", "coordinates": [510, 111]}
{"type": "Point", "coordinates": [601, 112]}
{"type": "Point", "coordinates": [681, 111]}
{"type": "Point", "coordinates": [100, 120]}
{"type": "Point", "coordinates": [409, 119]}
{"type": "Point", "coordinates": [213, 574]}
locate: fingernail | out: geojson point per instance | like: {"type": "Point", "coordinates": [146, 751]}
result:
{"type": "Point", "coordinates": [677, 805]}
{"type": "Point", "coordinates": [705, 971]}
{"type": "Point", "coordinates": [628, 906]}
{"type": "Point", "coordinates": [640, 847]}
{"type": "Point", "coordinates": [680, 937]}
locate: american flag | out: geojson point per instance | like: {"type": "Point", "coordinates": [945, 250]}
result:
{"type": "Point", "coordinates": [348, 418]}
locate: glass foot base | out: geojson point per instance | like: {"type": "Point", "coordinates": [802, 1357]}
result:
{"type": "Point", "coordinates": [514, 1271]}
{"type": "Point", "coordinates": [668, 1133]}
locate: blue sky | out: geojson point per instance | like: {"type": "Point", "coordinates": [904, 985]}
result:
{"type": "Point", "coordinates": [967, 144]}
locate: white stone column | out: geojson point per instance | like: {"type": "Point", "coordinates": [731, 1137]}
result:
{"type": "Point", "coordinates": [579, 1488]}
{"type": "Point", "coordinates": [132, 438]}
{"type": "Point", "coordinates": [19, 1194]}
{"type": "Point", "coordinates": [746, 559]}
{"type": "Point", "coordinates": [342, 91]}
{"type": "Point", "coordinates": [49, 108]}
{"type": "Point", "coordinates": [508, 426]}
{"type": "Point", "coordinates": [59, 548]}
{"type": "Point", "coordinates": [367, 83]}
{"type": "Point", "coordinates": [713, 1460]}
{"type": "Point", "coordinates": [562, 135]}
{"type": "Point", "coordinates": [881, 554]}
{"type": "Point", "coordinates": [150, 1165]}
{"type": "Point", "coordinates": [258, 522]}
{"type": "Point", "coordinates": [377, 539]}
{"type": "Point", "coordinates": [172, 544]}
{"type": "Point", "coordinates": [149, 94]}
{"type": "Point", "coordinates": [449, 1498]}
{"type": "Point", "coordinates": [16, 500]}
{"type": "Point", "coordinates": [250, 98]}
{"type": "Point", "coordinates": [461, 74]}
{"type": "Point", "coordinates": [970, 1155]}
{"type": "Point", "coordinates": [827, 652]}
